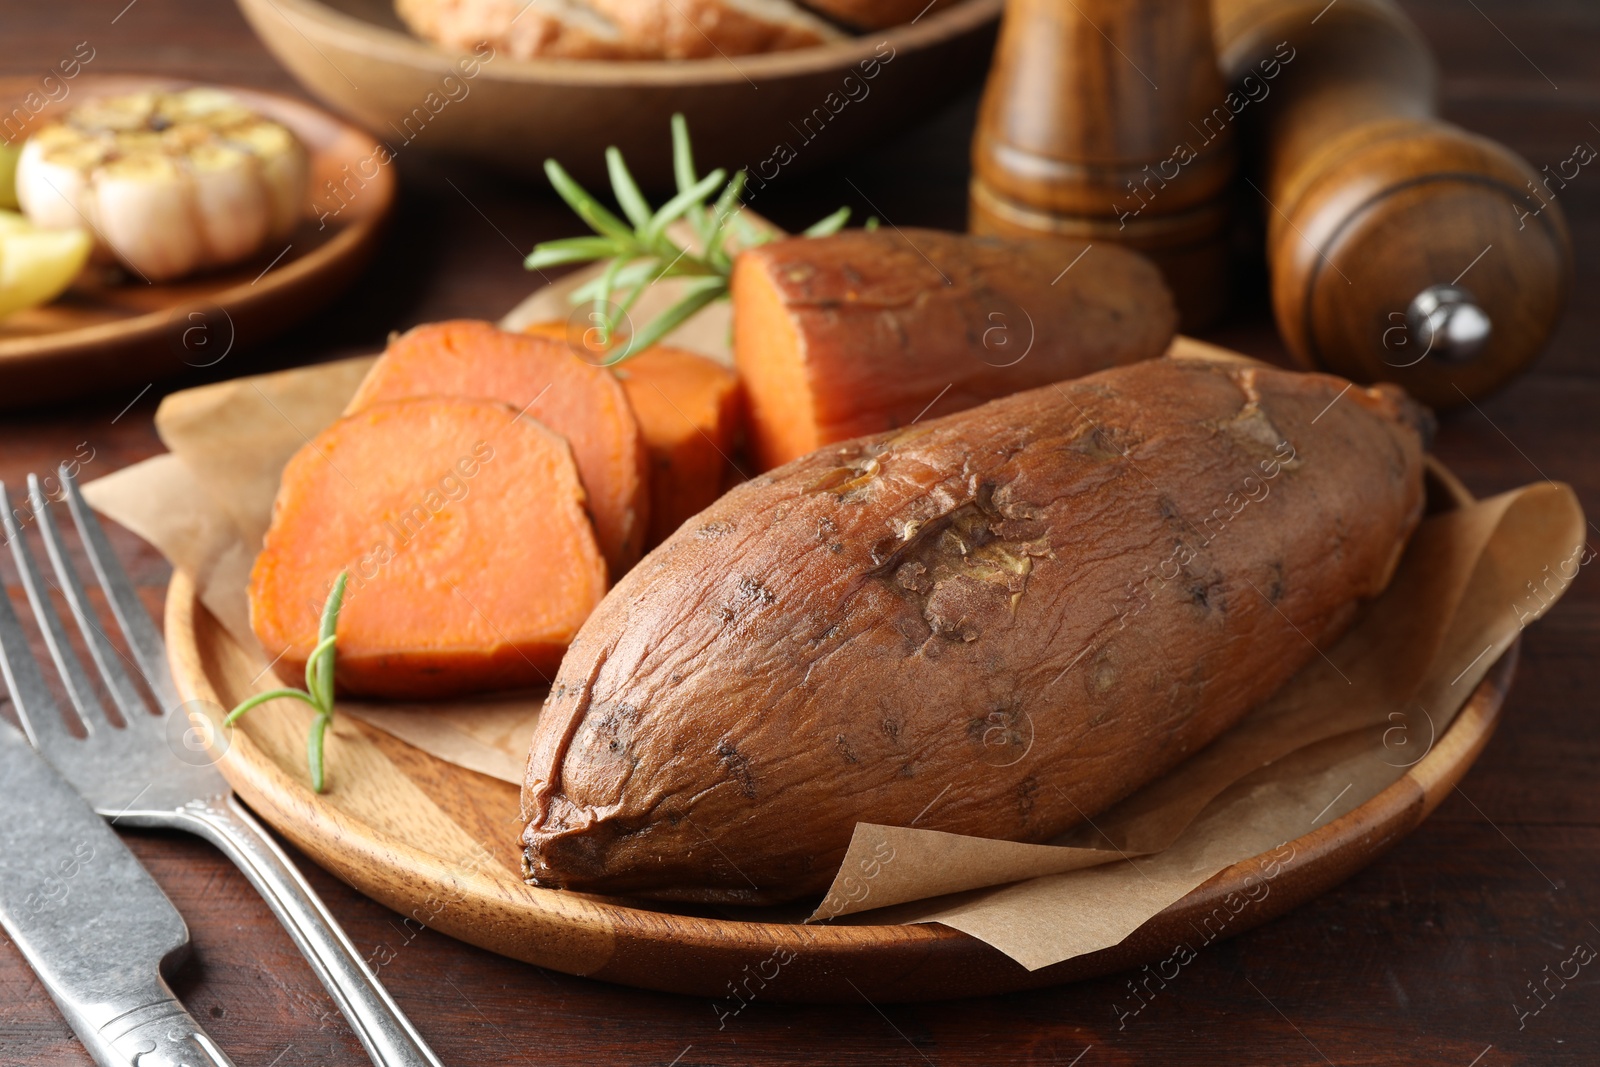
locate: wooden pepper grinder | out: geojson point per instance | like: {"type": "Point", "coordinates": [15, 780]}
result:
{"type": "Point", "coordinates": [1401, 247]}
{"type": "Point", "coordinates": [1103, 121]}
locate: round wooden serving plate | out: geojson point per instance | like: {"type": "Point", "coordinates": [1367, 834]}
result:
{"type": "Point", "coordinates": [100, 336]}
{"type": "Point", "coordinates": [356, 56]}
{"type": "Point", "coordinates": [437, 843]}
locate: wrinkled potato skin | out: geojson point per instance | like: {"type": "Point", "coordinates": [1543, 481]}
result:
{"type": "Point", "coordinates": [789, 663]}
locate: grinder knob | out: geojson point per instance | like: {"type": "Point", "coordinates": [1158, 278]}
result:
{"type": "Point", "coordinates": [1449, 324]}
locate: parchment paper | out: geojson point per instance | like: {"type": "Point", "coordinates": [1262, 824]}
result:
{"type": "Point", "coordinates": [1341, 731]}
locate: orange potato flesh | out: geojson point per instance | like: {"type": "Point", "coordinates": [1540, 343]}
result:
{"type": "Point", "coordinates": [462, 527]}
{"type": "Point", "coordinates": [866, 331]}
{"type": "Point", "coordinates": [691, 413]}
{"type": "Point", "coordinates": [582, 402]}
{"type": "Point", "coordinates": [776, 367]}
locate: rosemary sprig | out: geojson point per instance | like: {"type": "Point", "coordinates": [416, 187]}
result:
{"type": "Point", "coordinates": [641, 253]}
{"type": "Point", "coordinates": [319, 683]}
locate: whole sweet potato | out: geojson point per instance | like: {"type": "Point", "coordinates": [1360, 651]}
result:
{"type": "Point", "coordinates": [995, 623]}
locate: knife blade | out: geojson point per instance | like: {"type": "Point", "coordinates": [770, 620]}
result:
{"type": "Point", "coordinates": [90, 920]}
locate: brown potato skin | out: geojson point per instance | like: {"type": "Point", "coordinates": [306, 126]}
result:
{"type": "Point", "coordinates": [1149, 552]}
{"type": "Point", "coordinates": [881, 327]}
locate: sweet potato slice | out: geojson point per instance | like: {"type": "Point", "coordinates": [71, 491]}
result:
{"type": "Point", "coordinates": [691, 410]}
{"type": "Point", "coordinates": [866, 331]}
{"type": "Point", "coordinates": [581, 402]}
{"type": "Point", "coordinates": [461, 524]}
{"type": "Point", "coordinates": [1027, 609]}
{"type": "Point", "coordinates": [691, 413]}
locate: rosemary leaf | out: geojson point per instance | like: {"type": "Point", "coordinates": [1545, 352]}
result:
{"type": "Point", "coordinates": [747, 234]}
{"type": "Point", "coordinates": [571, 250]}
{"type": "Point", "coordinates": [318, 692]}
{"type": "Point", "coordinates": [683, 174]}
{"type": "Point", "coordinates": [635, 274]}
{"type": "Point", "coordinates": [632, 299]}
{"type": "Point", "coordinates": [261, 698]}
{"type": "Point", "coordinates": [674, 208]}
{"type": "Point", "coordinates": [602, 301]}
{"type": "Point", "coordinates": [828, 226]}
{"type": "Point", "coordinates": [700, 292]}
{"type": "Point", "coordinates": [682, 154]}
{"type": "Point", "coordinates": [323, 655]}
{"type": "Point", "coordinates": [720, 213]}
{"type": "Point", "coordinates": [314, 744]}
{"type": "Point", "coordinates": [627, 191]}
{"type": "Point", "coordinates": [642, 254]}
{"type": "Point", "coordinates": [315, 684]}
{"type": "Point", "coordinates": [588, 208]}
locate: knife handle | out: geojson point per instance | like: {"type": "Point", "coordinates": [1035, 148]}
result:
{"type": "Point", "coordinates": [160, 1033]}
{"type": "Point", "coordinates": [384, 1031]}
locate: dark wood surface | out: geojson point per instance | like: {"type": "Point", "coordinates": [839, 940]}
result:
{"type": "Point", "coordinates": [1424, 958]}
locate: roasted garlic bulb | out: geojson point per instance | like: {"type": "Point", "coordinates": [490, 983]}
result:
{"type": "Point", "coordinates": [168, 182]}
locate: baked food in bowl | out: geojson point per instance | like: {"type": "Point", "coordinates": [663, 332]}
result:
{"type": "Point", "coordinates": [775, 112]}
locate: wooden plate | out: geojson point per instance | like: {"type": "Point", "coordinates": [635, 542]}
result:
{"type": "Point", "coordinates": [437, 843]}
{"type": "Point", "coordinates": [101, 336]}
{"type": "Point", "coordinates": [357, 57]}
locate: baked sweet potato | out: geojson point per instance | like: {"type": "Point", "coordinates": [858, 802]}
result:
{"type": "Point", "coordinates": [461, 525]}
{"type": "Point", "coordinates": [543, 378]}
{"type": "Point", "coordinates": [867, 331]}
{"type": "Point", "coordinates": [994, 623]}
{"type": "Point", "coordinates": [691, 414]}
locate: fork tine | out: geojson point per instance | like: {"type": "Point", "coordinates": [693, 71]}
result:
{"type": "Point", "coordinates": [76, 680]}
{"type": "Point", "coordinates": [149, 650]}
{"type": "Point", "coordinates": [135, 712]}
{"type": "Point", "coordinates": [35, 705]}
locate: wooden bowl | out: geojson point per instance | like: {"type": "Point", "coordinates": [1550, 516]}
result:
{"type": "Point", "coordinates": [437, 843]}
{"type": "Point", "coordinates": [357, 57]}
{"type": "Point", "coordinates": [100, 336]}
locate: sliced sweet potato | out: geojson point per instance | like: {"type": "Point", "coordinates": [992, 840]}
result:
{"type": "Point", "coordinates": [691, 410]}
{"type": "Point", "coordinates": [472, 561]}
{"type": "Point", "coordinates": [867, 331]}
{"type": "Point", "coordinates": [581, 402]}
{"type": "Point", "coordinates": [691, 413]}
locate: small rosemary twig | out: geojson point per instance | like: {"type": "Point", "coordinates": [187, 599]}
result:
{"type": "Point", "coordinates": [641, 253]}
{"type": "Point", "coordinates": [319, 683]}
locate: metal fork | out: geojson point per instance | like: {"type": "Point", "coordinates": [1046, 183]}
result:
{"type": "Point", "coordinates": [133, 774]}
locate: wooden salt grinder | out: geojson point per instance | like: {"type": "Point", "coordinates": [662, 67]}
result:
{"type": "Point", "coordinates": [1097, 125]}
{"type": "Point", "coordinates": [1401, 247]}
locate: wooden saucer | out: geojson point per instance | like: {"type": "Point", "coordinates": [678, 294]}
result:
{"type": "Point", "coordinates": [438, 844]}
{"type": "Point", "coordinates": [101, 336]}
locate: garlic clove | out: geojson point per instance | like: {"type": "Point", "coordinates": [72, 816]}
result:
{"type": "Point", "coordinates": [215, 109]}
{"type": "Point", "coordinates": [145, 207]}
{"type": "Point", "coordinates": [130, 111]}
{"type": "Point", "coordinates": [284, 169]}
{"type": "Point", "coordinates": [53, 178]}
{"type": "Point", "coordinates": [230, 201]}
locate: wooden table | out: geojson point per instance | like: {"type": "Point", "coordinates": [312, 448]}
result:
{"type": "Point", "coordinates": [1421, 959]}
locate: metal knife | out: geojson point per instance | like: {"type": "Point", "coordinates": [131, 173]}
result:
{"type": "Point", "coordinates": [90, 920]}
